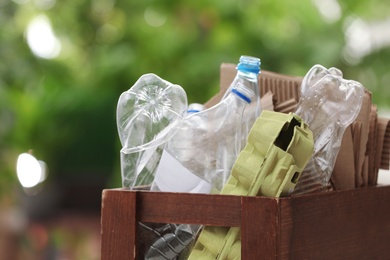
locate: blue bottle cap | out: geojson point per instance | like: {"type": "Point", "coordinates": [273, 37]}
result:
{"type": "Point", "coordinates": [249, 64]}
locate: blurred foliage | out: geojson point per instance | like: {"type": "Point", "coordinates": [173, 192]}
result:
{"type": "Point", "coordinates": [64, 108]}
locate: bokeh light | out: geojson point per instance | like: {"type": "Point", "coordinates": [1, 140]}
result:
{"type": "Point", "coordinates": [30, 171]}
{"type": "Point", "coordinates": [41, 39]}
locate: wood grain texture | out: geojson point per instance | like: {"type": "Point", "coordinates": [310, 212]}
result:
{"type": "Point", "coordinates": [118, 225]}
{"type": "Point", "coordinates": [259, 228]}
{"type": "Point", "coordinates": [352, 224]}
{"type": "Point", "coordinates": [188, 208]}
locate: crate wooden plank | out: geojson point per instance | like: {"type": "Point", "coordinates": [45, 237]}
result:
{"type": "Point", "coordinates": [259, 228]}
{"type": "Point", "coordinates": [118, 222]}
{"type": "Point", "coordinates": [161, 207]}
{"type": "Point", "coordinates": [351, 224]}
{"type": "Point", "coordinates": [122, 209]}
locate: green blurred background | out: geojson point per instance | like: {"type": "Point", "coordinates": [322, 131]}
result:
{"type": "Point", "coordinates": [63, 65]}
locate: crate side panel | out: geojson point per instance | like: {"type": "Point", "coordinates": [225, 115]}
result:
{"type": "Point", "coordinates": [335, 225]}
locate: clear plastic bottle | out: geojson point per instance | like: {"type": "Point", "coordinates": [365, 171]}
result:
{"type": "Point", "coordinates": [171, 174]}
{"type": "Point", "coordinates": [328, 104]}
{"type": "Point", "coordinates": [248, 70]}
{"type": "Point", "coordinates": [219, 133]}
{"type": "Point", "coordinates": [206, 144]}
{"type": "Point", "coordinates": [195, 108]}
{"type": "Point", "coordinates": [216, 135]}
{"type": "Point", "coordinates": [170, 240]}
{"type": "Point", "coordinates": [185, 139]}
{"type": "Point", "coordinates": [147, 116]}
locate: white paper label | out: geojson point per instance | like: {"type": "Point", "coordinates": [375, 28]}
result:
{"type": "Point", "coordinates": [172, 176]}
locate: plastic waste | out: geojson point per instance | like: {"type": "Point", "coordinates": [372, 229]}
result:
{"type": "Point", "coordinates": [195, 108]}
{"type": "Point", "coordinates": [204, 149]}
{"type": "Point", "coordinates": [199, 157]}
{"type": "Point", "coordinates": [328, 104]}
{"type": "Point", "coordinates": [218, 134]}
{"type": "Point", "coordinates": [147, 116]}
{"type": "Point", "coordinates": [278, 149]}
{"type": "Point", "coordinates": [171, 174]}
{"type": "Point", "coordinates": [215, 136]}
{"type": "Point", "coordinates": [248, 70]}
{"type": "Point", "coordinates": [168, 241]}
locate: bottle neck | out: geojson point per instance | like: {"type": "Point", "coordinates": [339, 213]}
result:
{"type": "Point", "coordinates": [243, 93]}
{"type": "Point", "coordinates": [253, 77]}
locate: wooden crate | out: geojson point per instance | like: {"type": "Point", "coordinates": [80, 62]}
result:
{"type": "Point", "coordinates": [352, 224]}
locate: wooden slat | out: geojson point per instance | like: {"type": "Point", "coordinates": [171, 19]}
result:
{"type": "Point", "coordinates": [259, 228]}
{"type": "Point", "coordinates": [213, 210]}
{"type": "Point", "coordinates": [118, 225]}
{"type": "Point", "coordinates": [351, 224]}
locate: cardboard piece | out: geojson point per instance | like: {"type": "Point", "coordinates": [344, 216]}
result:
{"type": "Point", "coordinates": [267, 102]}
{"type": "Point", "coordinates": [356, 137]}
{"type": "Point", "coordinates": [383, 144]}
{"type": "Point", "coordinates": [364, 119]}
{"type": "Point", "coordinates": [287, 106]}
{"type": "Point", "coordinates": [343, 176]}
{"type": "Point", "coordinates": [371, 147]}
{"type": "Point", "coordinates": [227, 74]}
{"type": "Point", "coordinates": [382, 149]}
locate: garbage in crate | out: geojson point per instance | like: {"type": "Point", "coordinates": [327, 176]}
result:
{"type": "Point", "coordinates": [170, 147]}
{"type": "Point", "coordinates": [175, 241]}
{"type": "Point", "coordinates": [147, 116]}
{"type": "Point", "coordinates": [328, 104]}
{"type": "Point", "coordinates": [278, 149]}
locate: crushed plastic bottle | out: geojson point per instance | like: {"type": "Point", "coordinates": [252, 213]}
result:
{"type": "Point", "coordinates": [201, 137]}
{"type": "Point", "coordinates": [204, 150]}
{"type": "Point", "coordinates": [219, 133]}
{"type": "Point", "coordinates": [170, 241]}
{"type": "Point", "coordinates": [171, 174]}
{"type": "Point", "coordinates": [147, 116]}
{"type": "Point", "coordinates": [215, 135]}
{"type": "Point", "coordinates": [328, 104]}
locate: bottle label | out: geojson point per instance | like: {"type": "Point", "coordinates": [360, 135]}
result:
{"type": "Point", "coordinates": [172, 176]}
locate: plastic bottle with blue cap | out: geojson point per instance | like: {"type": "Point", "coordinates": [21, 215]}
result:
{"type": "Point", "coordinates": [202, 153]}
{"type": "Point", "coordinates": [248, 70]}
{"type": "Point", "coordinates": [210, 140]}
